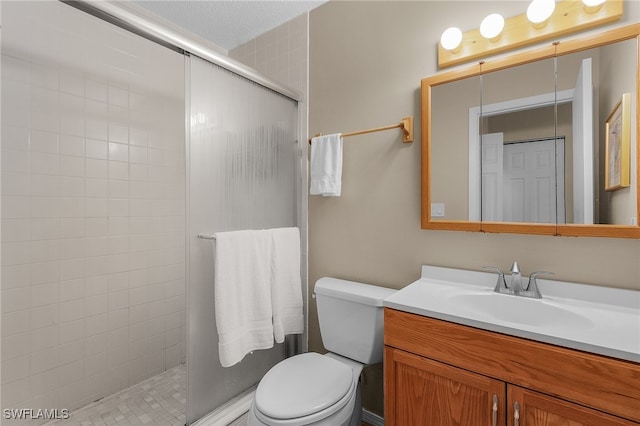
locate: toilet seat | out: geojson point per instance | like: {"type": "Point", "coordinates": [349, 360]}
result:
{"type": "Point", "coordinates": [304, 389]}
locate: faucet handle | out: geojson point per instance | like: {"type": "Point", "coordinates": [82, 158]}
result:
{"type": "Point", "coordinates": [532, 286]}
{"type": "Point", "coordinates": [501, 284]}
{"type": "Point", "coordinates": [535, 275]}
{"type": "Point", "coordinates": [494, 269]}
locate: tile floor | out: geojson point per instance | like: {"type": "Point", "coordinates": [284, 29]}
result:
{"type": "Point", "coordinates": [158, 401]}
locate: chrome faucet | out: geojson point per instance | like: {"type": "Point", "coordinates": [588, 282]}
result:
{"type": "Point", "coordinates": [515, 282]}
{"type": "Point", "coordinates": [501, 284]}
{"type": "Point", "coordinates": [532, 287]}
{"type": "Point", "coordinates": [516, 278]}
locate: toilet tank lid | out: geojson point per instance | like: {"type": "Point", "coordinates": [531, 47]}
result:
{"type": "Point", "coordinates": [366, 294]}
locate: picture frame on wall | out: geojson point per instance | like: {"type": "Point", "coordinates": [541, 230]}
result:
{"type": "Point", "coordinates": [618, 145]}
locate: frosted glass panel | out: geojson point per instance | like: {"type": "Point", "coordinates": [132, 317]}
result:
{"type": "Point", "coordinates": [242, 175]}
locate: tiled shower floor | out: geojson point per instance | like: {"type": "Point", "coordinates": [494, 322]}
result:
{"type": "Point", "coordinates": [158, 401]}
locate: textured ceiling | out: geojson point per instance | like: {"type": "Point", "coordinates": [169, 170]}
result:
{"type": "Point", "coordinates": [228, 23]}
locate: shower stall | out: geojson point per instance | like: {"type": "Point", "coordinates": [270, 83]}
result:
{"type": "Point", "coordinates": [121, 142]}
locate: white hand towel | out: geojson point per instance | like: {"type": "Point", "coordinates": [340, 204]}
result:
{"type": "Point", "coordinates": [326, 165]}
{"type": "Point", "coordinates": [242, 294]}
{"type": "Point", "coordinates": [286, 284]}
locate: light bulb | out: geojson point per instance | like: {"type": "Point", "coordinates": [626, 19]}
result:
{"type": "Point", "coordinates": [451, 38]}
{"type": "Point", "coordinates": [540, 10]}
{"type": "Point", "coordinates": [592, 6]}
{"type": "Point", "coordinates": [492, 26]}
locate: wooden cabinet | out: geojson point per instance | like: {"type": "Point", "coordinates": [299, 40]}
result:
{"type": "Point", "coordinates": [443, 374]}
{"type": "Point", "coordinates": [536, 409]}
{"type": "Point", "coordinates": [427, 392]}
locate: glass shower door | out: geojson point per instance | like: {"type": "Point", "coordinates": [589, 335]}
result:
{"type": "Point", "coordinates": [242, 174]}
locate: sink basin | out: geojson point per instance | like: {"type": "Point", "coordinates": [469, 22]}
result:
{"type": "Point", "coordinates": [520, 310]}
{"type": "Point", "coordinates": [595, 319]}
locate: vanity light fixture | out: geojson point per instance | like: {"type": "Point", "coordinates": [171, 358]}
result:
{"type": "Point", "coordinates": [492, 26]}
{"type": "Point", "coordinates": [451, 39]}
{"type": "Point", "coordinates": [544, 20]}
{"type": "Point", "coordinates": [539, 11]}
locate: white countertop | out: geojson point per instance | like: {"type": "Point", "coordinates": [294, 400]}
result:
{"type": "Point", "coordinates": [595, 319]}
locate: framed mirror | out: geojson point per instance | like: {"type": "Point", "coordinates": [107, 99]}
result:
{"type": "Point", "coordinates": [531, 143]}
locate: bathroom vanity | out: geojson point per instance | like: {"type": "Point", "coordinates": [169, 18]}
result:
{"type": "Point", "coordinates": [450, 364]}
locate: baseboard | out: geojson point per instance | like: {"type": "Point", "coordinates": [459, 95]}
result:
{"type": "Point", "coordinates": [371, 418]}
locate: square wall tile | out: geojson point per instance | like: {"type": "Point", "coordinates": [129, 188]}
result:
{"type": "Point", "coordinates": [92, 183]}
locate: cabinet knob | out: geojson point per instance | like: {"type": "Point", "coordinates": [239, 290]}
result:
{"type": "Point", "coordinates": [516, 414]}
{"type": "Point", "coordinates": [494, 411]}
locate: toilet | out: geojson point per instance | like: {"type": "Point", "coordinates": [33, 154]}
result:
{"type": "Point", "coordinates": [324, 390]}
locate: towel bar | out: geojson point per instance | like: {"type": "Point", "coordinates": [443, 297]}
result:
{"type": "Point", "coordinates": [406, 125]}
{"type": "Point", "coordinates": [206, 237]}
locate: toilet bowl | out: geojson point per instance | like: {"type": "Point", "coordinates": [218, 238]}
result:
{"type": "Point", "coordinates": [309, 389]}
{"type": "Point", "coordinates": [324, 390]}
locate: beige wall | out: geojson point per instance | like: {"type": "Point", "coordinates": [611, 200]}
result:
{"type": "Point", "coordinates": [618, 206]}
{"type": "Point", "coordinates": [366, 63]}
{"type": "Point", "coordinates": [450, 145]}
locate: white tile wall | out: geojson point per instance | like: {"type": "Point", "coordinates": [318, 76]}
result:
{"type": "Point", "coordinates": [92, 285]}
{"type": "Point", "coordinates": [280, 54]}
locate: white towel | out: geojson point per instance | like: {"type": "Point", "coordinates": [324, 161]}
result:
{"type": "Point", "coordinates": [326, 165]}
{"type": "Point", "coordinates": [242, 294]}
{"type": "Point", "coordinates": [286, 284]}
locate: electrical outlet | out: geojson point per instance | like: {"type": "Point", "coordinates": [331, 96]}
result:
{"type": "Point", "coordinates": [437, 209]}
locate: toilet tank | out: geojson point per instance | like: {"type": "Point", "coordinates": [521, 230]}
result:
{"type": "Point", "coordinates": [351, 318]}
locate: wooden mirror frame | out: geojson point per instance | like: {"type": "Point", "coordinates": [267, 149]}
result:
{"type": "Point", "coordinates": [556, 49]}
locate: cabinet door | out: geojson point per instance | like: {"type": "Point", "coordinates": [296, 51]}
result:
{"type": "Point", "coordinates": [536, 409]}
{"type": "Point", "coordinates": [420, 391]}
